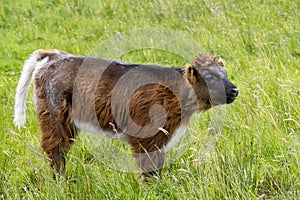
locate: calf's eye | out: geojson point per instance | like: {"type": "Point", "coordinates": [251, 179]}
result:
{"type": "Point", "coordinates": [211, 78]}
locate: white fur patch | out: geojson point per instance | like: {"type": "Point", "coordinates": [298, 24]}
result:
{"type": "Point", "coordinates": [176, 137]}
{"type": "Point", "coordinates": [39, 65]}
{"type": "Point", "coordinates": [97, 130]}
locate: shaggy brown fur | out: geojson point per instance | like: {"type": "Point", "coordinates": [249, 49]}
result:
{"type": "Point", "coordinates": [74, 92]}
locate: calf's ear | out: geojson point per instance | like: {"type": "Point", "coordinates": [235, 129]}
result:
{"type": "Point", "coordinates": [218, 60]}
{"type": "Point", "coordinates": [190, 73]}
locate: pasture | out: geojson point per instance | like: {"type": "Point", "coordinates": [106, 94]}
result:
{"type": "Point", "coordinates": [257, 156]}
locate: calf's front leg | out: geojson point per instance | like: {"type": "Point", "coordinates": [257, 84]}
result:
{"type": "Point", "coordinates": [149, 157]}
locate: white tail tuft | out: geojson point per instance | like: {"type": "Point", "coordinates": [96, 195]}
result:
{"type": "Point", "coordinates": [23, 87]}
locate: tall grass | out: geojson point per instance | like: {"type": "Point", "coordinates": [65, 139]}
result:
{"type": "Point", "coordinates": [257, 156]}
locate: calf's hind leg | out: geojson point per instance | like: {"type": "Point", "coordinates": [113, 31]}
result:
{"type": "Point", "coordinates": [57, 134]}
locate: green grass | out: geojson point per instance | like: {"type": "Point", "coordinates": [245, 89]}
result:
{"type": "Point", "coordinates": [258, 156]}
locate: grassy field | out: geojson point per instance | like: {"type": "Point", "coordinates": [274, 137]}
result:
{"type": "Point", "coordinates": [258, 155]}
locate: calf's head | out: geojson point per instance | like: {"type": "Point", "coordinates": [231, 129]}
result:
{"type": "Point", "coordinates": [208, 77]}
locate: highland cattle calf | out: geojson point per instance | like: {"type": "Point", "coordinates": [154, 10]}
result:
{"type": "Point", "coordinates": [148, 106]}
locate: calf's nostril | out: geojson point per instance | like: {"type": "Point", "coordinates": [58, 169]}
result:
{"type": "Point", "coordinates": [235, 91]}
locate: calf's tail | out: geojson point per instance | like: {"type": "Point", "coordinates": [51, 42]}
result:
{"type": "Point", "coordinates": [36, 60]}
